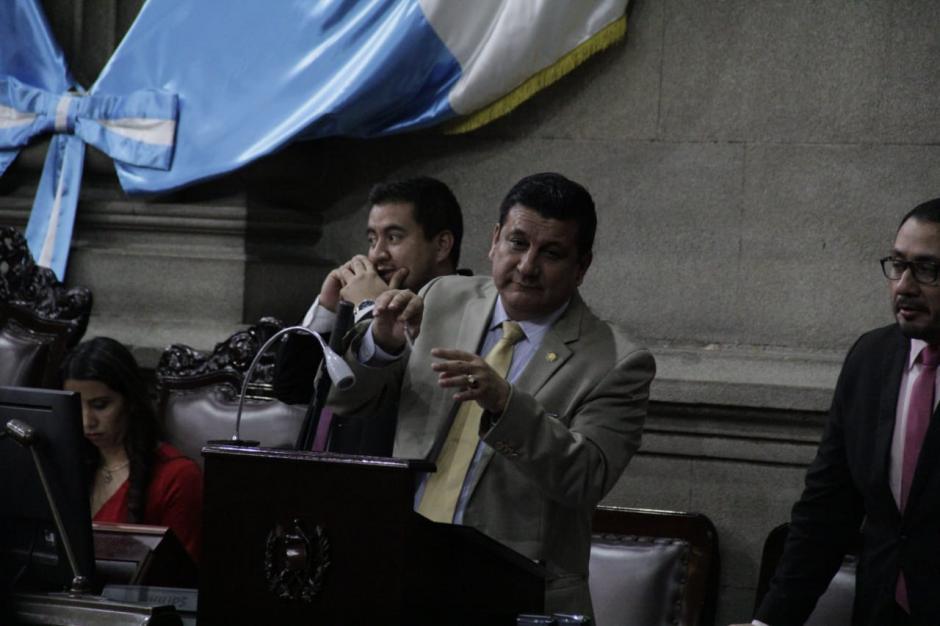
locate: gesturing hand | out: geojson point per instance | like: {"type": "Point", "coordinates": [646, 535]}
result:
{"type": "Point", "coordinates": [395, 311]}
{"type": "Point", "coordinates": [329, 290]}
{"type": "Point", "coordinates": [473, 377]}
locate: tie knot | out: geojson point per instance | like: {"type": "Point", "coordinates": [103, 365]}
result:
{"type": "Point", "coordinates": [930, 356]}
{"type": "Point", "coordinates": [512, 332]}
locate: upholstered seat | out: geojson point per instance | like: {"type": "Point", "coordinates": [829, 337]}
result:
{"type": "Point", "coordinates": [23, 355]}
{"type": "Point", "coordinates": [39, 318]}
{"type": "Point", "coordinates": [653, 568]}
{"type": "Point", "coordinates": [199, 394]}
{"type": "Point", "coordinates": [834, 607]}
{"type": "Point", "coordinates": [195, 416]}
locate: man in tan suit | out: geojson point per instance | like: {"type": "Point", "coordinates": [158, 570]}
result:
{"type": "Point", "coordinates": [533, 447]}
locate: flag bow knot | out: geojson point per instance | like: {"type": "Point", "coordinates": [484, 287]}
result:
{"type": "Point", "coordinates": [138, 128]}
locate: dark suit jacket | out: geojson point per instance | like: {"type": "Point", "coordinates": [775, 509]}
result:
{"type": "Point", "coordinates": [847, 489]}
{"type": "Point", "coordinates": [570, 426]}
{"type": "Point", "coordinates": [297, 361]}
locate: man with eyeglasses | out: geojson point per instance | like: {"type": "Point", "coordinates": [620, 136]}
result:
{"type": "Point", "coordinates": [876, 473]}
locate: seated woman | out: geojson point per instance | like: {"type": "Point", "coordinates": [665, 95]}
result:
{"type": "Point", "coordinates": [135, 477]}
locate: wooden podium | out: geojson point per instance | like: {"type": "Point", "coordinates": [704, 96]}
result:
{"type": "Point", "coordinates": [308, 538]}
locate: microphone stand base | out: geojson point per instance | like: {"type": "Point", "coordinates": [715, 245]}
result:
{"type": "Point", "coordinates": [238, 443]}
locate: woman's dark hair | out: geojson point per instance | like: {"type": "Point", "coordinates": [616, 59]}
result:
{"type": "Point", "coordinates": [107, 361]}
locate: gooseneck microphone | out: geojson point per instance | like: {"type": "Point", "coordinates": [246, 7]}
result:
{"type": "Point", "coordinates": [337, 369]}
{"type": "Point", "coordinates": [29, 438]}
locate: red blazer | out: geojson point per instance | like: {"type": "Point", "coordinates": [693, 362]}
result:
{"type": "Point", "coordinates": [174, 499]}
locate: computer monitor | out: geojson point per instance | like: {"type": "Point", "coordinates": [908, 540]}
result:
{"type": "Point", "coordinates": [32, 554]}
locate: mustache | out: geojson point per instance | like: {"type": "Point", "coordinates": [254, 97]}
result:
{"type": "Point", "coordinates": [904, 302]}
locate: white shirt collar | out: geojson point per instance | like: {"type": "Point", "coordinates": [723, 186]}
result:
{"type": "Point", "coordinates": [532, 328]}
{"type": "Point", "coordinates": [917, 346]}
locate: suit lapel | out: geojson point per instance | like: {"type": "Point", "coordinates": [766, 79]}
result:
{"type": "Point", "coordinates": [476, 316]}
{"type": "Point", "coordinates": [473, 325]}
{"type": "Point", "coordinates": [894, 362]}
{"type": "Point", "coordinates": [550, 356]}
{"type": "Point", "coordinates": [554, 350]}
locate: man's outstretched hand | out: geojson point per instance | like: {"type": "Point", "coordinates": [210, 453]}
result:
{"type": "Point", "coordinates": [396, 312]}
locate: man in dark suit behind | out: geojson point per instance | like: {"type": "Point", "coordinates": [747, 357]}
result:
{"type": "Point", "coordinates": [876, 469]}
{"type": "Point", "coordinates": [414, 233]}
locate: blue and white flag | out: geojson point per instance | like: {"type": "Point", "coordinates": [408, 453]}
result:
{"type": "Point", "coordinates": [38, 96]}
{"type": "Point", "coordinates": [198, 88]}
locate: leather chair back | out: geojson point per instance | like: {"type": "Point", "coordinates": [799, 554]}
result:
{"type": "Point", "coordinates": [23, 356]}
{"type": "Point", "coordinates": [834, 607]}
{"type": "Point", "coordinates": [198, 394]}
{"type": "Point", "coordinates": [39, 318]}
{"type": "Point", "coordinates": [197, 415]}
{"type": "Point", "coordinates": [655, 568]}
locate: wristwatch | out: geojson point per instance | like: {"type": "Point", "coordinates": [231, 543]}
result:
{"type": "Point", "coordinates": [363, 310]}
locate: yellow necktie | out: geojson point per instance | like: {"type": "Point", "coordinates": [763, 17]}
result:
{"type": "Point", "coordinates": [443, 487]}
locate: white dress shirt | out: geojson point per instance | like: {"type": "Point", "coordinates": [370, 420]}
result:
{"type": "Point", "coordinates": [319, 319]}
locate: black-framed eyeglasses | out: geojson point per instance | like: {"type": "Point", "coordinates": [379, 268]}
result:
{"type": "Point", "coordinates": [925, 272]}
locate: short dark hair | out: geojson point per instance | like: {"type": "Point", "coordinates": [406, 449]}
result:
{"type": "Point", "coordinates": [924, 212]}
{"type": "Point", "coordinates": [435, 206]}
{"type": "Point", "coordinates": [554, 196]}
{"type": "Point", "coordinates": [107, 361]}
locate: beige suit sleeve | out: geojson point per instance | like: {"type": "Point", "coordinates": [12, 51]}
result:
{"type": "Point", "coordinates": [576, 458]}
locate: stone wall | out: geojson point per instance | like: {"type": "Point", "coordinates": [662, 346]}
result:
{"type": "Point", "coordinates": [750, 162]}
{"type": "Point", "coordinates": [749, 159]}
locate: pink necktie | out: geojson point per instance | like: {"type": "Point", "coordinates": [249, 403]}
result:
{"type": "Point", "coordinates": [323, 430]}
{"type": "Point", "coordinates": [919, 411]}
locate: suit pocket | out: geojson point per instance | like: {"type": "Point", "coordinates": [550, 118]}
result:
{"type": "Point", "coordinates": [564, 419]}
